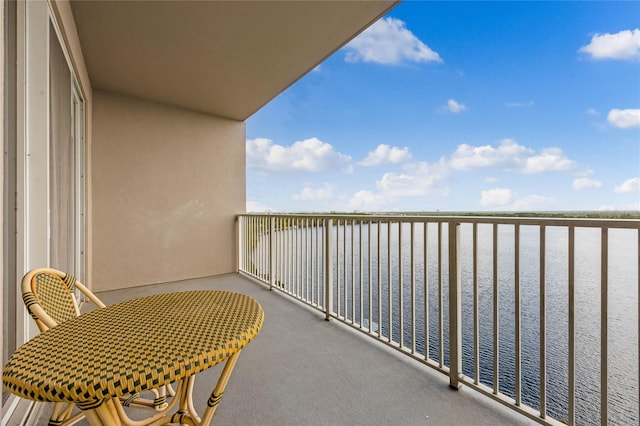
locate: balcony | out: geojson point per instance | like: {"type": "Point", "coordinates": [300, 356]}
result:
{"type": "Point", "coordinates": [303, 370]}
{"type": "Point", "coordinates": [541, 316]}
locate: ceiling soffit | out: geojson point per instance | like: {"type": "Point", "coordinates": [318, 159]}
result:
{"type": "Point", "coordinates": [226, 58]}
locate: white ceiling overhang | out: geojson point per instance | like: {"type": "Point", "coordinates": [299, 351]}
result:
{"type": "Point", "coordinates": [226, 58]}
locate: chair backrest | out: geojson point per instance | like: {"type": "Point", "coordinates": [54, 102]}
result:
{"type": "Point", "coordinates": [49, 296]}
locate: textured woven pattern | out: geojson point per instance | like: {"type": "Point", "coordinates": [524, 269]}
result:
{"type": "Point", "coordinates": [133, 346]}
{"type": "Point", "coordinates": [54, 295]}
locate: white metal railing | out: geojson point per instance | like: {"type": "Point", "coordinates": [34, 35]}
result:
{"type": "Point", "coordinates": [536, 313]}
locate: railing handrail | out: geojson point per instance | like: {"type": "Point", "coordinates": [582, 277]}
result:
{"type": "Point", "coordinates": [500, 220]}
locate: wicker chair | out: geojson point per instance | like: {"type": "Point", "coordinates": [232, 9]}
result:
{"type": "Point", "coordinates": [49, 296]}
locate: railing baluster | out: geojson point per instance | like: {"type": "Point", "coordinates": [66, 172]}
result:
{"type": "Point", "coordinates": [272, 257]}
{"type": "Point", "coordinates": [389, 284]}
{"type": "Point", "coordinates": [426, 289]}
{"type": "Point", "coordinates": [284, 254]}
{"type": "Point", "coordinates": [345, 270]}
{"type": "Point", "coordinates": [572, 329]}
{"type": "Point", "coordinates": [400, 287]}
{"type": "Point", "coordinates": [299, 257]}
{"type": "Point", "coordinates": [604, 325]}
{"type": "Point", "coordinates": [258, 248]}
{"type": "Point", "coordinates": [353, 273]}
{"type": "Point", "coordinates": [303, 259]}
{"type": "Point", "coordinates": [440, 300]}
{"type": "Point", "coordinates": [379, 279]}
{"type": "Point", "coordinates": [284, 241]}
{"type": "Point", "coordinates": [316, 256]}
{"type": "Point", "coordinates": [413, 289]}
{"type": "Point", "coordinates": [309, 260]}
{"type": "Point", "coordinates": [496, 316]}
{"type": "Point", "coordinates": [247, 245]}
{"type": "Point", "coordinates": [517, 343]}
{"type": "Point", "coordinates": [455, 309]}
{"type": "Point", "coordinates": [291, 256]}
{"type": "Point", "coordinates": [361, 276]}
{"type": "Point", "coordinates": [328, 268]}
{"type": "Point", "coordinates": [476, 325]}
{"type": "Point", "coordinates": [338, 301]}
{"type": "Point", "coordinates": [254, 247]}
{"type": "Point", "coordinates": [543, 325]}
{"type": "Point", "coordinates": [255, 257]}
{"type": "Point", "coordinates": [370, 280]}
{"type": "Point", "coordinates": [241, 232]}
{"type": "Point", "coordinates": [282, 259]}
{"type": "Point", "coordinates": [293, 261]}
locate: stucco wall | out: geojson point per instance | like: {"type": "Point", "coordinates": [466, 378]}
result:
{"type": "Point", "coordinates": [166, 186]}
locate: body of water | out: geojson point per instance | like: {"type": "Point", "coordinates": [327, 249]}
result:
{"type": "Point", "coordinates": [622, 293]}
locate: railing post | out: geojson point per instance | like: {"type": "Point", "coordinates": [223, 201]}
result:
{"type": "Point", "coordinates": [272, 251]}
{"type": "Point", "coordinates": [455, 311]}
{"type": "Point", "coordinates": [239, 245]}
{"type": "Point", "coordinates": [328, 269]}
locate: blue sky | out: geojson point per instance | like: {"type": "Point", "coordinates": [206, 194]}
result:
{"type": "Point", "coordinates": [461, 106]}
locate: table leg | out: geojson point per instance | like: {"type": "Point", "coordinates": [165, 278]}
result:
{"type": "Point", "coordinates": [105, 415]}
{"type": "Point", "coordinates": [216, 395]}
{"type": "Point", "coordinates": [92, 418]}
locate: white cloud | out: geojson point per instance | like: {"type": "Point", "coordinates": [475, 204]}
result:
{"type": "Point", "coordinates": [510, 156]}
{"type": "Point", "coordinates": [624, 45]}
{"type": "Point", "coordinates": [256, 206]}
{"type": "Point", "coordinates": [490, 179]}
{"type": "Point", "coordinates": [386, 154]}
{"type": "Point", "coordinates": [367, 201]}
{"type": "Point", "coordinates": [388, 41]}
{"type": "Point", "coordinates": [519, 104]}
{"type": "Point", "coordinates": [308, 193]}
{"type": "Point", "coordinates": [549, 160]}
{"type": "Point", "coordinates": [507, 154]}
{"type": "Point", "coordinates": [629, 185]}
{"type": "Point", "coordinates": [628, 207]}
{"type": "Point", "coordinates": [416, 179]}
{"type": "Point", "coordinates": [593, 112]}
{"type": "Point", "coordinates": [496, 197]}
{"type": "Point", "coordinates": [507, 200]}
{"type": "Point", "coordinates": [454, 106]}
{"type": "Point", "coordinates": [309, 155]}
{"type": "Point", "coordinates": [586, 183]}
{"type": "Point", "coordinates": [532, 203]}
{"type": "Point", "coordinates": [624, 118]}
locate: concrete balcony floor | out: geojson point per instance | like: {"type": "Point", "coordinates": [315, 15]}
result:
{"type": "Point", "coordinates": [303, 370]}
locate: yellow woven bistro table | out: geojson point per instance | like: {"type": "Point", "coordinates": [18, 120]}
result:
{"type": "Point", "coordinates": [135, 346]}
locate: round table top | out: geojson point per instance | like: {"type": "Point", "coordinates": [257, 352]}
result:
{"type": "Point", "coordinates": [133, 346]}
